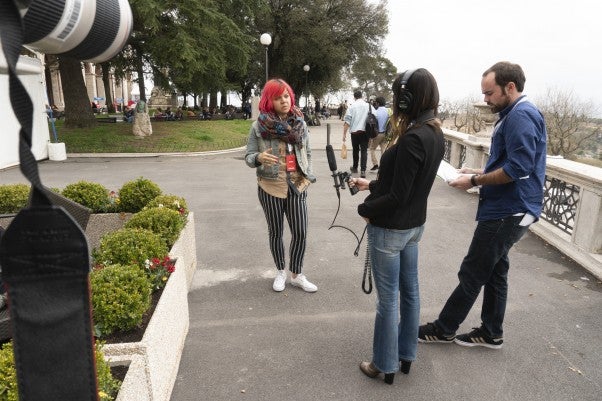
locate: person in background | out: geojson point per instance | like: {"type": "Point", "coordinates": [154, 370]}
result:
{"type": "Point", "coordinates": [382, 115]}
{"type": "Point", "coordinates": [395, 212]}
{"type": "Point", "coordinates": [128, 114]}
{"type": "Point", "coordinates": [355, 122]}
{"type": "Point", "coordinates": [510, 199]}
{"type": "Point", "coordinates": [278, 149]}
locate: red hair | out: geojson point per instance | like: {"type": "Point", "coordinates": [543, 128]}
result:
{"type": "Point", "coordinates": [272, 89]}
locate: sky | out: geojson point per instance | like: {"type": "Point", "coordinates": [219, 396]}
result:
{"type": "Point", "coordinates": [557, 43]}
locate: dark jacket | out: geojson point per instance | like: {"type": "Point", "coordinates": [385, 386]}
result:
{"type": "Point", "coordinates": [398, 197]}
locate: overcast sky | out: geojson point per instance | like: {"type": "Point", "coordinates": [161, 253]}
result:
{"type": "Point", "coordinates": [557, 43]}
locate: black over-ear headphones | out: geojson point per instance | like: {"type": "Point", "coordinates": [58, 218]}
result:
{"type": "Point", "coordinates": [405, 96]}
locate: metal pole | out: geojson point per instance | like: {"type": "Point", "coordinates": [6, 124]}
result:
{"type": "Point", "coordinates": [266, 64]}
{"type": "Point", "coordinates": [306, 93]}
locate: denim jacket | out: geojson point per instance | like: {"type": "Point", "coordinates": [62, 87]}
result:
{"type": "Point", "coordinates": [256, 145]}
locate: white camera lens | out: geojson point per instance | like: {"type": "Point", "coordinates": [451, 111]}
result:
{"type": "Point", "coordinates": [89, 30]}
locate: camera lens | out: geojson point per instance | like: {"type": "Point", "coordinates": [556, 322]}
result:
{"type": "Point", "coordinates": [89, 30]}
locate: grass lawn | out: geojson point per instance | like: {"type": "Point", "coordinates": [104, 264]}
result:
{"type": "Point", "coordinates": [168, 136]}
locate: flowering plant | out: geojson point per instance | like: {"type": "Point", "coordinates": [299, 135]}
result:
{"type": "Point", "coordinates": [159, 269]}
{"type": "Point", "coordinates": [114, 200]}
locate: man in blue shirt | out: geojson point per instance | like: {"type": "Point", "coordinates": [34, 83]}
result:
{"type": "Point", "coordinates": [382, 116]}
{"type": "Point", "coordinates": [510, 199]}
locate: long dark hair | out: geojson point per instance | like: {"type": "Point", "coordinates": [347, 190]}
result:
{"type": "Point", "coordinates": [425, 98]}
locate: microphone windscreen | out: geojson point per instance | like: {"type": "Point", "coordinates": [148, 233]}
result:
{"type": "Point", "coordinates": [332, 161]}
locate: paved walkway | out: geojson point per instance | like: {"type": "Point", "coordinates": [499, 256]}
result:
{"type": "Point", "coordinates": [247, 342]}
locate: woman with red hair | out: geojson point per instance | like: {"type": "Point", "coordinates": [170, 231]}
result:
{"type": "Point", "coordinates": [278, 149]}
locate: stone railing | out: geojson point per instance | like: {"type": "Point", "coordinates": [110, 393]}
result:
{"type": "Point", "coordinates": [571, 219]}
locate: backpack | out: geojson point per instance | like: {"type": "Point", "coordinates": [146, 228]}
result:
{"type": "Point", "coordinates": [371, 124]}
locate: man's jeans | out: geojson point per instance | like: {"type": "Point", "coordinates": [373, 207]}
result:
{"type": "Point", "coordinates": [486, 264]}
{"type": "Point", "coordinates": [394, 258]}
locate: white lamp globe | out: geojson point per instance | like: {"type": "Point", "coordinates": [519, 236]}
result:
{"type": "Point", "coordinates": [265, 39]}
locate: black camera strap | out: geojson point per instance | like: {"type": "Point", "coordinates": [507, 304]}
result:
{"type": "Point", "coordinates": [45, 262]}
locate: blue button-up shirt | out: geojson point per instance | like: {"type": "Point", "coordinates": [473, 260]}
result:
{"type": "Point", "coordinates": [518, 146]}
{"type": "Point", "coordinates": [356, 115]}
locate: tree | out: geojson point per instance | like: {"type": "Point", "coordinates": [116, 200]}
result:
{"type": "Point", "coordinates": [106, 68]}
{"type": "Point", "coordinates": [374, 75]}
{"type": "Point", "coordinates": [462, 113]}
{"type": "Point", "coordinates": [567, 122]}
{"type": "Point", "coordinates": [78, 111]}
{"type": "Point", "coordinates": [328, 35]}
{"type": "Point", "coordinates": [186, 46]}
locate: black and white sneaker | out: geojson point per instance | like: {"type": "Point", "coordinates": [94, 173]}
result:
{"type": "Point", "coordinates": [478, 338]}
{"type": "Point", "coordinates": [429, 333]}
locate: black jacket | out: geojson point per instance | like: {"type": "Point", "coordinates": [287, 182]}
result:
{"type": "Point", "coordinates": [398, 197]}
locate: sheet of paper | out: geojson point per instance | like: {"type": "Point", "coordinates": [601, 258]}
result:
{"type": "Point", "coordinates": [447, 172]}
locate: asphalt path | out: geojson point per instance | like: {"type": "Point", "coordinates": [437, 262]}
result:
{"type": "Point", "coordinates": [247, 342]}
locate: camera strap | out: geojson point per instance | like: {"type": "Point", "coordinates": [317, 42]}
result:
{"type": "Point", "coordinates": [45, 262]}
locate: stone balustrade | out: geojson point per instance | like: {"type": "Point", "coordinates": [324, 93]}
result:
{"type": "Point", "coordinates": [571, 219]}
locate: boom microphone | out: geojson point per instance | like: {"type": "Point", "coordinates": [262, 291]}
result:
{"type": "Point", "coordinates": [332, 161]}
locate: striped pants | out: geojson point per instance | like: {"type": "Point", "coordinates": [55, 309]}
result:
{"type": "Point", "coordinates": [294, 207]}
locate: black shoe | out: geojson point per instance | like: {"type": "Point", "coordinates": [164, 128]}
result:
{"type": "Point", "coordinates": [405, 366]}
{"type": "Point", "coordinates": [478, 337]}
{"type": "Point", "coordinates": [429, 333]}
{"type": "Point", "coordinates": [375, 167]}
{"type": "Point", "coordinates": [363, 174]}
{"type": "Point", "coordinates": [353, 170]}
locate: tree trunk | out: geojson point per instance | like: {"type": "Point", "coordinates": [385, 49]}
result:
{"type": "Point", "coordinates": [48, 76]}
{"type": "Point", "coordinates": [78, 110]}
{"type": "Point", "coordinates": [140, 72]}
{"type": "Point", "coordinates": [224, 99]}
{"type": "Point", "coordinates": [107, 84]}
{"type": "Point", "coordinates": [213, 99]}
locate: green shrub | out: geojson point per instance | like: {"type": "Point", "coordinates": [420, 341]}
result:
{"type": "Point", "coordinates": [120, 296]}
{"type": "Point", "coordinates": [13, 197]}
{"type": "Point", "coordinates": [165, 222]}
{"type": "Point", "coordinates": [129, 246]}
{"type": "Point", "coordinates": [107, 385]}
{"type": "Point", "coordinates": [134, 195]}
{"type": "Point", "coordinates": [90, 194]}
{"type": "Point", "coordinates": [8, 374]}
{"type": "Point", "coordinates": [173, 202]}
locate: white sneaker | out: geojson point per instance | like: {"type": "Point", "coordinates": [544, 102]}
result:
{"type": "Point", "coordinates": [301, 281]}
{"type": "Point", "coordinates": [279, 281]}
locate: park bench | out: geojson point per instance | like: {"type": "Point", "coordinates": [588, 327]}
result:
{"type": "Point", "coordinates": [107, 119]}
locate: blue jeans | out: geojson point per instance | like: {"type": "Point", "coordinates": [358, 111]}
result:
{"type": "Point", "coordinates": [486, 265]}
{"type": "Point", "coordinates": [394, 258]}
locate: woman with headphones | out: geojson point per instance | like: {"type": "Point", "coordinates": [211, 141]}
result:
{"type": "Point", "coordinates": [395, 211]}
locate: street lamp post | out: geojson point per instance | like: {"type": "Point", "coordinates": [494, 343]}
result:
{"type": "Point", "coordinates": [265, 40]}
{"type": "Point", "coordinates": [306, 69]}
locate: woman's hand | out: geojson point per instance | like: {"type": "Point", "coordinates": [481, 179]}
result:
{"type": "Point", "coordinates": [267, 158]}
{"type": "Point", "coordinates": [361, 183]}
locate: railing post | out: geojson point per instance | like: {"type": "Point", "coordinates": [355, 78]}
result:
{"type": "Point", "coordinates": [588, 221]}
{"type": "Point", "coordinates": [454, 156]}
{"type": "Point", "coordinates": [475, 153]}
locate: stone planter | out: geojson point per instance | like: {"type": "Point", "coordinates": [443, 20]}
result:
{"type": "Point", "coordinates": [153, 362]}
